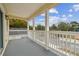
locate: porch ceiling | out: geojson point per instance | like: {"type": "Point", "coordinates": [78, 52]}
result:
{"type": "Point", "coordinates": [25, 10]}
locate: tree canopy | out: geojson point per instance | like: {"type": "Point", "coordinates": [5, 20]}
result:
{"type": "Point", "coordinates": [40, 27]}
{"type": "Point", "coordinates": [72, 26]}
{"type": "Point", "coordinates": [17, 23]}
{"type": "Point", "coordinates": [62, 26]}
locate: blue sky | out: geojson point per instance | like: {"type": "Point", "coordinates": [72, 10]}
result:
{"type": "Point", "coordinates": [65, 12]}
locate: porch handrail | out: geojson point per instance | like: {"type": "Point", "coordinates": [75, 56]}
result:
{"type": "Point", "coordinates": [66, 42]}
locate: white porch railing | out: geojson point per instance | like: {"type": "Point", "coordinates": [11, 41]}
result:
{"type": "Point", "coordinates": [63, 41]}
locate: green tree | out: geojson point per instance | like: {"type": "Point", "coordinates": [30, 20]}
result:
{"type": "Point", "coordinates": [53, 27]}
{"type": "Point", "coordinates": [30, 27]}
{"type": "Point", "coordinates": [63, 26]}
{"type": "Point", "coordinates": [17, 23]}
{"type": "Point", "coordinates": [74, 26]}
{"type": "Point", "coordinates": [40, 27]}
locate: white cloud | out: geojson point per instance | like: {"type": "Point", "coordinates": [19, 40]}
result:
{"type": "Point", "coordinates": [63, 15]}
{"type": "Point", "coordinates": [76, 7]}
{"type": "Point", "coordinates": [53, 10]}
{"type": "Point", "coordinates": [53, 20]}
{"type": "Point", "coordinates": [40, 21]}
{"type": "Point", "coordinates": [70, 15]}
{"type": "Point", "coordinates": [53, 17]}
{"type": "Point", "coordinates": [56, 20]}
{"type": "Point", "coordinates": [43, 14]}
{"type": "Point", "coordinates": [70, 10]}
{"type": "Point", "coordinates": [64, 19]}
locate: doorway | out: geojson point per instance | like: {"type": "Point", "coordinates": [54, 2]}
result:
{"type": "Point", "coordinates": [1, 29]}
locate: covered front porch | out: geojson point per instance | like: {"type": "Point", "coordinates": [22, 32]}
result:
{"type": "Point", "coordinates": [36, 42]}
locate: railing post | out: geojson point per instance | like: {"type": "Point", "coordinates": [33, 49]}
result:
{"type": "Point", "coordinates": [74, 46]}
{"type": "Point", "coordinates": [47, 28]}
{"type": "Point", "coordinates": [33, 29]}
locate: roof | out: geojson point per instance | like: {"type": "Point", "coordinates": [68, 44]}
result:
{"type": "Point", "coordinates": [26, 10]}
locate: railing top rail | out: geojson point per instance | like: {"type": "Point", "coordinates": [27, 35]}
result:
{"type": "Point", "coordinates": [58, 32]}
{"type": "Point", "coordinates": [65, 32]}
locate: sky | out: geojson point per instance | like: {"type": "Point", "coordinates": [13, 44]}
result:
{"type": "Point", "coordinates": [63, 12]}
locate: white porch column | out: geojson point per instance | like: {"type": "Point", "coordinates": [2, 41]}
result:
{"type": "Point", "coordinates": [33, 24]}
{"type": "Point", "coordinates": [28, 28]}
{"type": "Point", "coordinates": [33, 28]}
{"type": "Point", "coordinates": [8, 27]}
{"type": "Point", "coordinates": [47, 28]}
{"type": "Point", "coordinates": [46, 21]}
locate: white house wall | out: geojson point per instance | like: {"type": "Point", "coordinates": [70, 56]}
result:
{"type": "Point", "coordinates": [5, 29]}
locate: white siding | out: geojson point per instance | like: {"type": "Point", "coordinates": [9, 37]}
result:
{"type": "Point", "coordinates": [5, 31]}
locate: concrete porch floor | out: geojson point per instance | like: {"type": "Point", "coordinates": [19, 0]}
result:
{"type": "Point", "coordinates": [26, 47]}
